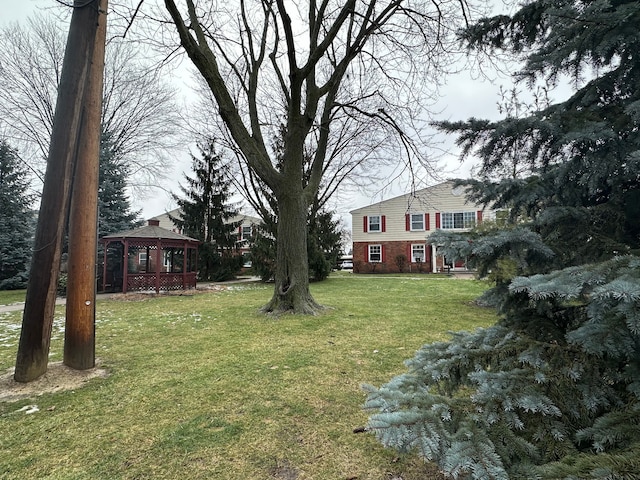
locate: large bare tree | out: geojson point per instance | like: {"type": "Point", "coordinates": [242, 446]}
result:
{"type": "Point", "coordinates": [311, 66]}
{"type": "Point", "coordinates": [140, 114]}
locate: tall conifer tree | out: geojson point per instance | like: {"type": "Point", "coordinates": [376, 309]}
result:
{"type": "Point", "coordinates": [206, 213]}
{"type": "Point", "coordinates": [114, 206]}
{"type": "Point", "coordinates": [16, 220]}
{"type": "Point", "coordinates": [553, 389]}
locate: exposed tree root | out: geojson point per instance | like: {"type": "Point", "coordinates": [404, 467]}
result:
{"type": "Point", "coordinates": [287, 303]}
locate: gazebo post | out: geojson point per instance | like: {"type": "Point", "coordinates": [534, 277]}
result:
{"type": "Point", "coordinates": [125, 266]}
{"type": "Point", "coordinates": [104, 265]}
{"type": "Point", "coordinates": [158, 263]}
{"type": "Point", "coordinates": [185, 252]}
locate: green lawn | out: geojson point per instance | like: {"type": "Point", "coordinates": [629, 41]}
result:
{"type": "Point", "coordinates": [9, 297]}
{"type": "Point", "coordinates": [204, 387]}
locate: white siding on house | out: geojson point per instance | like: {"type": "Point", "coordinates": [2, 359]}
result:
{"type": "Point", "coordinates": [166, 222]}
{"type": "Point", "coordinates": [246, 220]}
{"type": "Point", "coordinates": [439, 198]}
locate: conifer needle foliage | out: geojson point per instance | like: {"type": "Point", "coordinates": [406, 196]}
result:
{"type": "Point", "coordinates": [552, 390]}
{"type": "Point", "coordinates": [16, 219]}
{"type": "Point", "coordinates": [207, 214]}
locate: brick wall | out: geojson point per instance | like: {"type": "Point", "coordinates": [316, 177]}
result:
{"type": "Point", "coordinates": [390, 251]}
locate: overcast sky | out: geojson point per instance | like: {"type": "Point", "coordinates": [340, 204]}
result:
{"type": "Point", "coordinates": [461, 98]}
{"type": "Point", "coordinates": [20, 9]}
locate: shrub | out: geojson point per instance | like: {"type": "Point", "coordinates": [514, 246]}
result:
{"type": "Point", "coordinates": [401, 262]}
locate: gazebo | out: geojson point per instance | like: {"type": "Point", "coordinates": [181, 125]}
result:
{"type": "Point", "coordinates": [149, 258]}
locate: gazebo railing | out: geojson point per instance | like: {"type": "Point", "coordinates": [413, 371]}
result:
{"type": "Point", "coordinates": [167, 281]}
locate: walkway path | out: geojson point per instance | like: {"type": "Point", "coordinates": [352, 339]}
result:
{"type": "Point", "coordinates": [14, 307]}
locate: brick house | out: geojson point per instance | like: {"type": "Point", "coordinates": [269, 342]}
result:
{"type": "Point", "coordinates": [400, 226]}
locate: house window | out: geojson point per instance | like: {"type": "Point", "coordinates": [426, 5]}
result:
{"type": "Point", "coordinates": [451, 220]}
{"type": "Point", "coordinates": [142, 257]}
{"type": "Point", "coordinates": [375, 224]}
{"type": "Point", "coordinates": [375, 253]}
{"type": "Point", "coordinates": [417, 221]}
{"type": "Point", "coordinates": [246, 233]}
{"type": "Point", "coordinates": [417, 253]}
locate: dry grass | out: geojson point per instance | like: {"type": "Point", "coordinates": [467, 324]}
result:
{"type": "Point", "coordinates": [204, 387]}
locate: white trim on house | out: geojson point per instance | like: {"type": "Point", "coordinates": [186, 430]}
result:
{"type": "Point", "coordinates": [378, 253]}
{"type": "Point", "coordinates": [417, 222]}
{"type": "Point", "coordinates": [460, 220]}
{"type": "Point", "coordinates": [418, 252]}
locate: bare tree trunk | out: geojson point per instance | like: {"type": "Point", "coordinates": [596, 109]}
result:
{"type": "Point", "coordinates": [35, 338]}
{"type": "Point", "coordinates": [79, 332]}
{"type": "Point", "coordinates": [291, 293]}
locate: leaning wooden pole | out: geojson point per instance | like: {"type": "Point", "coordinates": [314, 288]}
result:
{"type": "Point", "coordinates": [35, 337]}
{"type": "Point", "coordinates": [79, 332]}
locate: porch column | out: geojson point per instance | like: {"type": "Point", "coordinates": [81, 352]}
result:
{"type": "Point", "coordinates": [434, 256]}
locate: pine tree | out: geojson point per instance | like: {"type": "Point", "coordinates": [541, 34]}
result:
{"type": "Point", "coordinates": [552, 390]}
{"type": "Point", "coordinates": [17, 220]}
{"type": "Point", "coordinates": [114, 206]}
{"type": "Point", "coordinates": [263, 248]}
{"type": "Point", "coordinates": [324, 243]}
{"type": "Point", "coordinates": [206, 215]}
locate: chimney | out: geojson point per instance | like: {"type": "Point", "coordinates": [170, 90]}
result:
{"type": "Point", "coordinates": [154, 222]}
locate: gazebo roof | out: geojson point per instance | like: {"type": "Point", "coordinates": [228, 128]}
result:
{"type": "Point", "coordinates": [151, 231]}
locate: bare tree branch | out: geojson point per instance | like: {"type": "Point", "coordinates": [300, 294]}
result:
{"type": "Point", "coordinates": [139, 110]}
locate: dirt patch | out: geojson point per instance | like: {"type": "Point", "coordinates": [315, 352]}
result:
{"type": "Point", "coordinates": [141, 296]}
{"type": "Point", "coordinates": [284, 471]}
{"type": "Point", "coordinates": [58, 378]}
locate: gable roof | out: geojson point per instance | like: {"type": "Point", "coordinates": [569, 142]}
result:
{"type": "Point", "coordinates": [426, 198]}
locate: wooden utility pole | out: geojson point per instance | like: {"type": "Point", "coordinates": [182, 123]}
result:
{"type": "Point", "coordinates": [79, 332]}
{"type": "Point", "coordinates": [35, 338]}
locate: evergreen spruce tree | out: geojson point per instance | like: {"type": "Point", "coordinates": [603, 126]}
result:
{"type": "Point", "coordinates": [206, 213]}
{"type": "Point", "coordinates": [16, 220]}
{"type": "Point", "coordinates": [552, 390]}
{"type": "Point", "coordinates": [263, 248]}
{"type": "Point", "coordinates": [114, 206]}
{"type": "Point", "coordinates": [324, 243]}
